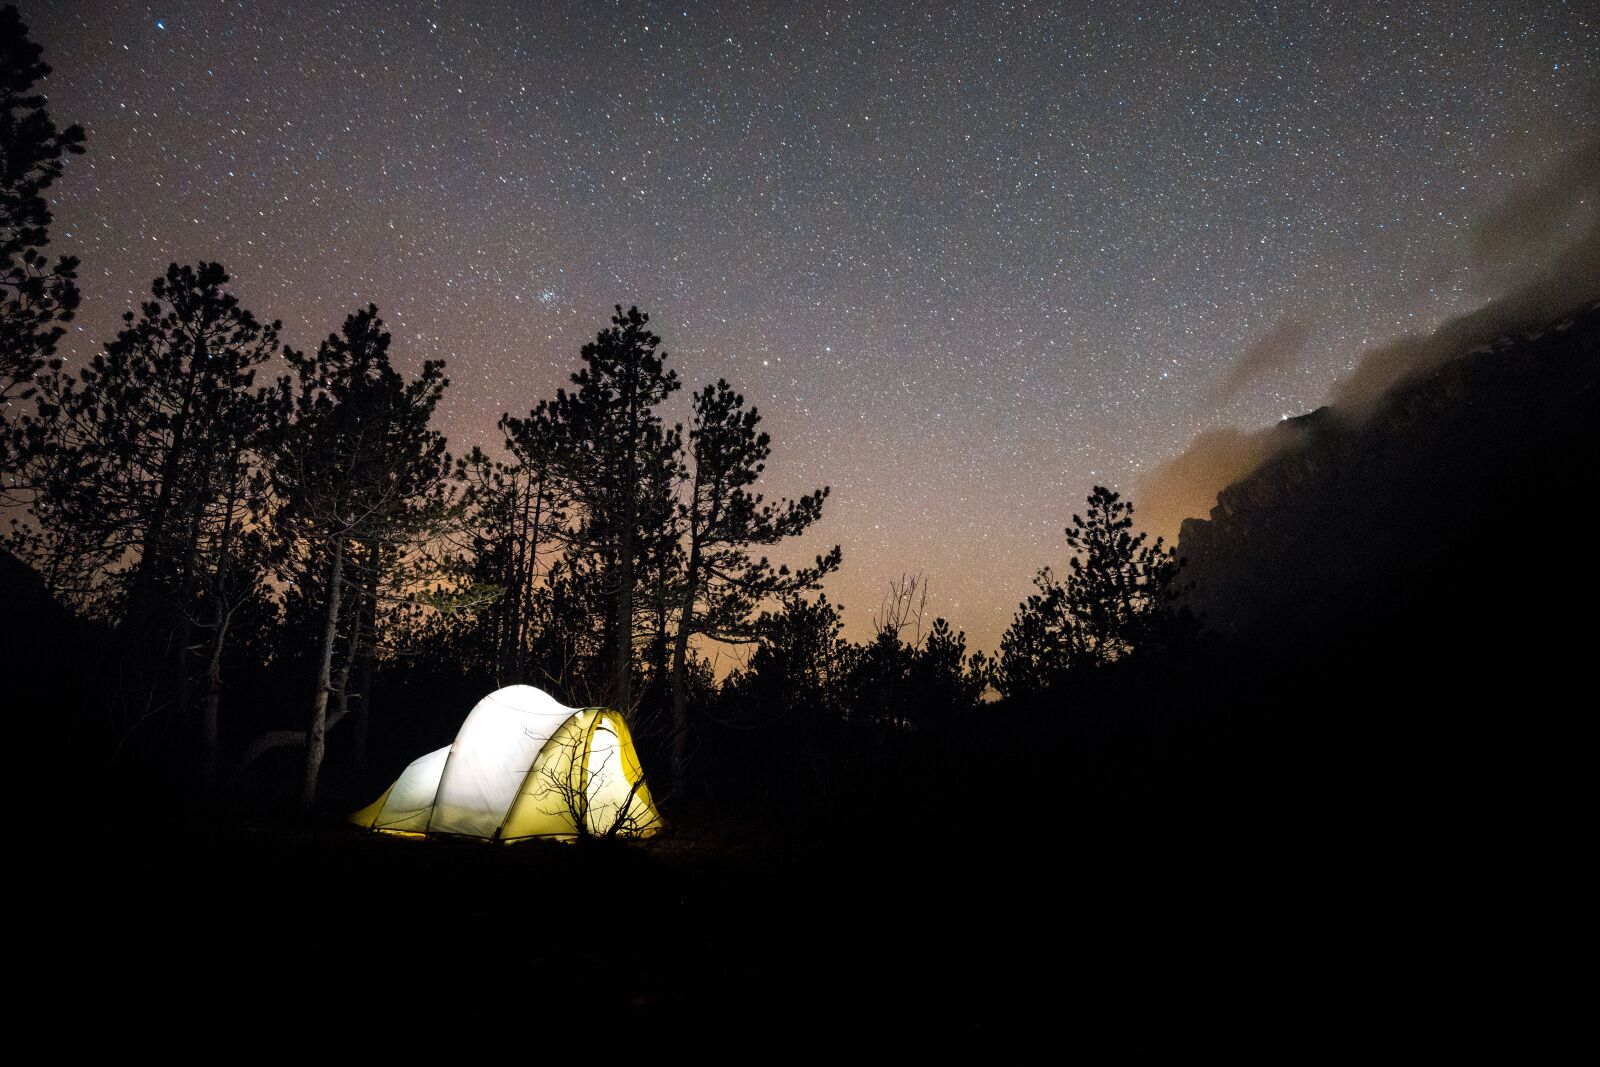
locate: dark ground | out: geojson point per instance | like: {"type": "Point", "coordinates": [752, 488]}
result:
{"type": "Point", "coordinates": [1313, 904]}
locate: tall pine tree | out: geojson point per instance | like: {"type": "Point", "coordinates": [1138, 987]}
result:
{"type": "Point", "coordinates": [144, 469]}
{"type": "Point", "coordinates": [36, 296]}
{"type": "Point", "coordinates": [362, 476]}
{"type": "Point", "coordinates": [610, 440]}
{"type": "Point", "coordinates": [722, 519]}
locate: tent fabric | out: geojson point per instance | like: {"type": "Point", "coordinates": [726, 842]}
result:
{"type": "Point", "coordinates": [406, 806]}
{"type": "Point", "coordinates": [522, 765]}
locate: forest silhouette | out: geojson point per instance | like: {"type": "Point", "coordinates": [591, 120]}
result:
{"type": "Point", "coordinates": [1310, 776]}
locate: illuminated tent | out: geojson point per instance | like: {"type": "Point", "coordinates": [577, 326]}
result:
{"type": "Point", "coordinates": [522, 766]}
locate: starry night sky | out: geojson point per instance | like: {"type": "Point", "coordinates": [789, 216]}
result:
{"type": "Point", "coordinates": [968, 259]}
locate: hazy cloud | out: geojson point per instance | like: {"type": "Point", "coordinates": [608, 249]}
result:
{"type": "Point", "coordinates": [1276, 350]}
{"type": "Point", "coordinates": [1544, 245]}
{"type": "Point", "coordinates": [1186, 486]}
{"type": "Point", "coordinates": [1549, 211]}
{"type": "Point", "coordinates": [1541, 247]}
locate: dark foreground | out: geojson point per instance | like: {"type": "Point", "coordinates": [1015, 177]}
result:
{"type": "Point", "coordinates": [1258, 942]}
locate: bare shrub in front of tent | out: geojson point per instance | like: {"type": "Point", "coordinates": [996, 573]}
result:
{"type": "Point", "coordinates": [586, 789]}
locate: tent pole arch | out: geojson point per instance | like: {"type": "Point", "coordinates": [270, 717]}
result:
{"type": "Point", "coordinates": [434, 811]}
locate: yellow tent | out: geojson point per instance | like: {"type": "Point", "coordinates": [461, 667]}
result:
{"type": "Point", "coordinates": [521, 766]}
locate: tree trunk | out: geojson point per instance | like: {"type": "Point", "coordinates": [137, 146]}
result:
{"type": "Point", "coordinates": [180, 659]}
{"type": "Point", "coordinates": [622, 650]}
{"type": "Point", "coordinates": [211, 703]}
{"type": "Point", "coordinates": [188, 587]}
{"type": "Point", "coordinates": [680, 658]}
{"type": "Point", "coordinates": [660, 655]}
{"type": "Point", "coordinates": [210, 709]}
{"type": "Point", "coordinates": [527, 569]}
{"type": "Point", "coordinates": [222, 616]}
{"type": "Point", "coordinates": [151, 551]}
{"type": "Point", "coordinates": [316, 734]}
{"type": "Point", "coordinates": [363, 727]}
{"type": "Point", "coordinates": [367, 622]}
{"type": "Point", "coordinates": [352, 648]}
{"type": "Point", "coordinates": [628, 486]}
{"type": "Point", "coordinates": [510, 609]}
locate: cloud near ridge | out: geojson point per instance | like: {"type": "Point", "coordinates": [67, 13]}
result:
{"type": "Point", "coordinates": [1277, 349]}
{"type": "Point", "coordinates": [1560, 209]}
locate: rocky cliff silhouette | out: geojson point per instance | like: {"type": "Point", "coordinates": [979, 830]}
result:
{"type": "Point", "coordinates": [1455, 503]}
